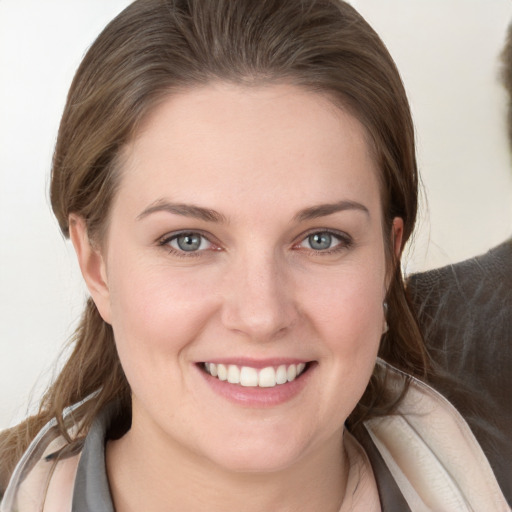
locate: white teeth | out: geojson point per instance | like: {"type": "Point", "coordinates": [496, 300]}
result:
{"type": "Point", "coordinates": [233, 374]}
{"type": "Point", "coordinates": [282, 375]}
{"type": "Point", "coordinates": [222, 371]}
{"type": "Point", "coordinates": [267, 377]}
{"type": "Point", "coordinates": [250, 377]}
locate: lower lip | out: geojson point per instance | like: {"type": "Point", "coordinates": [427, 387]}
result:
{"type": "Point", "coordinates": [256, 396]}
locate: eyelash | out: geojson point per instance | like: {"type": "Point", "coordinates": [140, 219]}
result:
{"type": "Point", "coordinates": [167, 239]}
{"type": "Point", "coordinates": [345, 242]}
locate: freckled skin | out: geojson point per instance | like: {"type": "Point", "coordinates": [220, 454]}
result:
{"type": "Point", "coordinates": [256, 288]}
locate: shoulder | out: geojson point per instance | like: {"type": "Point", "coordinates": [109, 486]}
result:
{"type": "Point", "coordinates": [432, 454]}
{"type": "Point", "coordinates": [43, 479]}
{"type": "Point", "coordinates": [465, 314]}
{"type": "Point", "coordinates": [481, 276]}
{"type": "Point", "coordinates": [467, 307]}
{"type": "Point", "coordinates": [55, 475]}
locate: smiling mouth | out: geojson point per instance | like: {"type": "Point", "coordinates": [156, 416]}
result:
{"type": "Point", "coordinates": [248, 376]}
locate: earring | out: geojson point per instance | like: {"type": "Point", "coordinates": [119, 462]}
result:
{"type": "Point", "coordinates": [386, 326]}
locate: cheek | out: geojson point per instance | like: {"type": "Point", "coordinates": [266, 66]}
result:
{"type": "Point", "coordinates": [347, 306]}
{"type": "Point", "coordinates": [156, 311]}
{"type": "Point", "coordinates": [348, 318]}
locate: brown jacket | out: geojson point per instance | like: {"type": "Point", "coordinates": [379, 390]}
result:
{"type": "Point", "coordinates": [465, 311]}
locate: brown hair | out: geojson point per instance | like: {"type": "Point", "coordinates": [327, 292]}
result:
{"type": "Point", "coordinates": [156, 46]}
{"type": "Point", "coordinates": [506, 78]}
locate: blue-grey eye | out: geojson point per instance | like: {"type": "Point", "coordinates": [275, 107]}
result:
{"type": "Point", "coordinates": [321, 241]}
{"type": "Point", "coordinates": [189, 242]}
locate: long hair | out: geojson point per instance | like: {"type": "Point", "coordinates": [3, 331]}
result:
{"type": "Point", "coordinates": [155, 47]}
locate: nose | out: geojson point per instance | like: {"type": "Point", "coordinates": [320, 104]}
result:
{"type": "Point", "coordinates": [258, 298]}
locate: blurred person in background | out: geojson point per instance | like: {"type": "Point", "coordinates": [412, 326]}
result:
{"type": "Point", "coordinates": [465, 312]}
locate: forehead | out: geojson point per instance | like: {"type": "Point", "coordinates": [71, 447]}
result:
{"type": "Point", "coordinates": [234, 140]}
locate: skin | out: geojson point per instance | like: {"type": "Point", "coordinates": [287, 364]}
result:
{"type": "Point", "coordinates": [257, 289]}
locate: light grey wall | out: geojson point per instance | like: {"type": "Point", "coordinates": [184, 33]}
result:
{"type": "Point", "coordinates": [446, 51]}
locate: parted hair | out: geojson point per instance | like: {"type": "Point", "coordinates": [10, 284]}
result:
{"type": "Point", "coordinates": [155, 47]}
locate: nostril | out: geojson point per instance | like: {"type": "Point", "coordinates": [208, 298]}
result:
{"type": "Point", "coordinates": [265, 323]}
{"type": "Point", "coordinates": [257, 302]}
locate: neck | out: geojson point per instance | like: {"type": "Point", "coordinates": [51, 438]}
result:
{"type": "Point", "coordinates": [145, 475]}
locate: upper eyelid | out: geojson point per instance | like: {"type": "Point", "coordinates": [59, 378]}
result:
{"type": "Point", "coordinates": [162, 240]}
{"type": "Point", "coordinates": [335, 232]}
{"type": "Point", "coordinates": [165, 239]}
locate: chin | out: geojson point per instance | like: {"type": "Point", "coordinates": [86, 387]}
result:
{"type": "Point", "coordinates": [249, 461]}
{"type": "Point", "coordinates": [259, 452]}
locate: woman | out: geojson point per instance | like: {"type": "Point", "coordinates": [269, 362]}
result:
{"type": "Point", "coordinates": [238, 180]}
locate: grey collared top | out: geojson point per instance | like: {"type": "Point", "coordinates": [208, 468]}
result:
{"type": "Point", "coordinates": [92, 492]}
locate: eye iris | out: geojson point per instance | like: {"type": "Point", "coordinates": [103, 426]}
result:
{"type": "Point", "coordinates": [189, 242]}
{"type": "Point", "coordinates": [320, 241]}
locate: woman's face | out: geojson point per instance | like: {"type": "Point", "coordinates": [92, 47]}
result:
{"type": "Point", "coordinates": [246, 243]}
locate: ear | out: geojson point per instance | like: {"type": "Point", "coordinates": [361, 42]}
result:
{"type": "Point", "coordinates": [92, 264]}
{"type": "Point", "coordinates": [397, 233]}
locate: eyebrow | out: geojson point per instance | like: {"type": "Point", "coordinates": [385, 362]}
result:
{"type": "Point", "coordinates": [186, 210]}
{"type": "Point", "coordinates": [322, 210]}
{"type": "Point", "coordinates": [209, 215]}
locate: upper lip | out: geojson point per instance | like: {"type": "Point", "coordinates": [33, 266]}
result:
{"type": "Point", "coordinates": [256, 363]}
